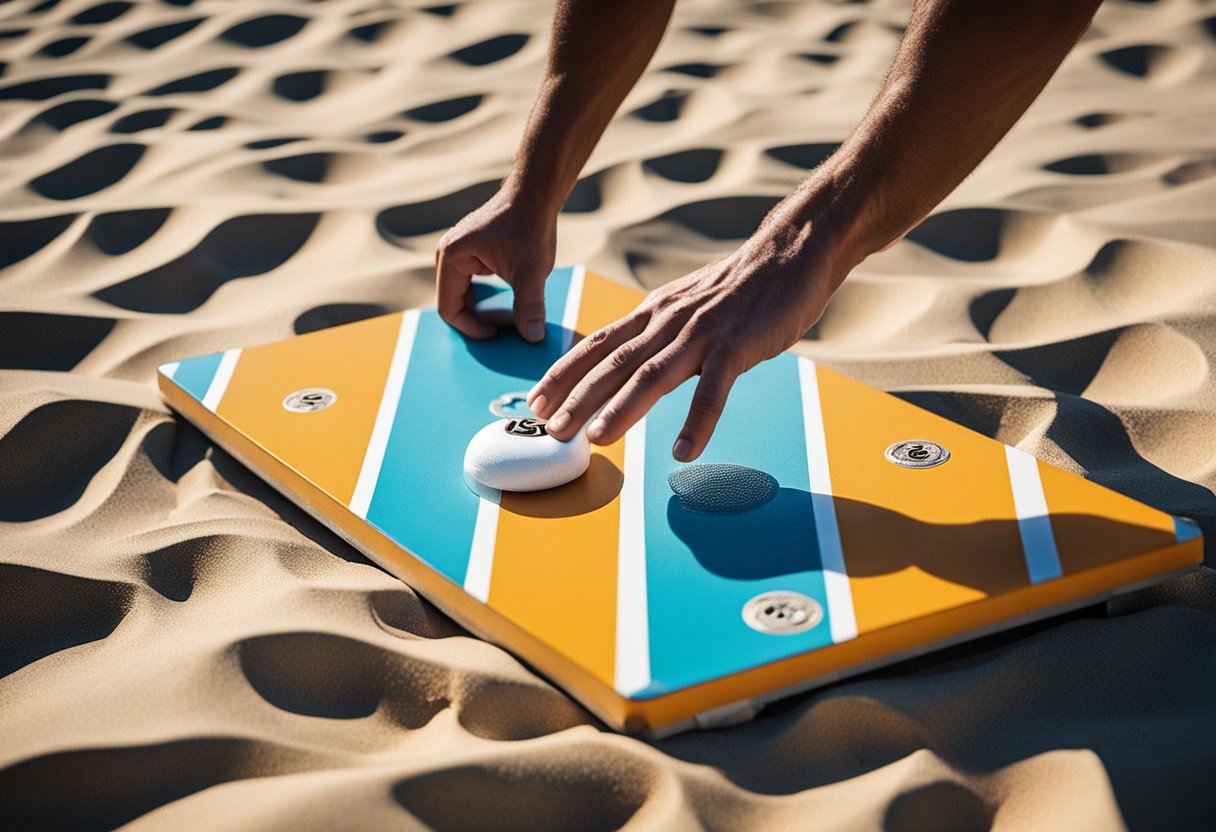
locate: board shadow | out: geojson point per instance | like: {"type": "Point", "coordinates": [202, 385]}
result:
{"type": "Point", "coordinates": [767, 542]}
{"type": "Point", "coordinates": [597, 487]}
{"type": "Point", "coordinates": [775, 540]}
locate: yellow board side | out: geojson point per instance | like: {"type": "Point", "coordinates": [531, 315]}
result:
{"type": "Point", "coordinates": [955, 523]}
{"type": "Point", "coordinates": [327, 447]}
{"type": "Point", "coordinates": [1093, 525]}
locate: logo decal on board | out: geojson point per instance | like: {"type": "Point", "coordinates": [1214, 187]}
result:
{"type": "Point", "coordinates": [526, 427]}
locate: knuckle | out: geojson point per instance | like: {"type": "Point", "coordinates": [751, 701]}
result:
{"type": "Point", "coordinates": [448, 243]}
{"type": "Point", "coordinates": [679, 325]}
{"type": "Point", "coordinates": [703, 407]}
{"type": "Point", "coordinates": [664, 317]}
{"type": "Point", "coordinates": [649, 374]}
{"type": "Point", "coordinates": [726, 364]}
{"type": "Point", "coordinates": [622, 357]}
{"type": "Point", "coordinates": [554, 376]}
{"type": "Point", "coordinates": [708, 322]}
{"type": "Point", "coordinates": [573, 404]}
{"type": "Point", "coordinates": [589, 347]}
{"type": "Point", "coordinates": [596, 339]}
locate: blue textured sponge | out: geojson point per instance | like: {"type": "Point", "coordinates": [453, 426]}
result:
{"type": "Point", "coordinates": [722, 488]}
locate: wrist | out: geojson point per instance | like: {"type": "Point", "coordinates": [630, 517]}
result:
{"type": "Point", "coordinates": [842, 212]}
{"type": "Point", "coordinates": [532, 196]}
{"type": "Point", "coordinates": [823, 224]}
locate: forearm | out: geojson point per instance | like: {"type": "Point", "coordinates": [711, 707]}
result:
{"type": "Point", "coordinates": [598, 51]}
{"type": "Point", "coordinates": [965, 72]}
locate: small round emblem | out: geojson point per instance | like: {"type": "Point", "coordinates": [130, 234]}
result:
{"type": "Point", "coordinates": [782, 613]}
{"type": "Point", "coordinates": [511, 406]}
{"type": "Point", "coordinates": [309, 400]}
{"type": "Point", "coordinates": [917, 453]}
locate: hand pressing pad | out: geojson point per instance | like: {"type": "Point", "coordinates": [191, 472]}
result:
{"type": "Point", "coordinates": [520, 455]}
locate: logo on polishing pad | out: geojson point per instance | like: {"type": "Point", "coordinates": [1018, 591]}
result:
{"type": "Point", "coordinates": [526, 427]}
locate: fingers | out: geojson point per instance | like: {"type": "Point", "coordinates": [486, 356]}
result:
{"type": "Point", "coordinates": [703, 412]}
{"type": "Point", "coordinates": [567, 371]}
{"type": "Point", "coordinates": [604, 380]}
{"type": "Point", "coordinates": [454, 274]}
{"type": "Point", "coordinates": [654, 378]}
{"type": "Point", "coordinates": [633, 377]}
{"type": "Point", "coordinates": [530, 305]}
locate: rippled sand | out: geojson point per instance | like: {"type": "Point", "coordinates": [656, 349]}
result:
{"type": "Point", "coordinates": [180, 647]}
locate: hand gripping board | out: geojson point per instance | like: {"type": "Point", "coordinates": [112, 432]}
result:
{"type": "Point", "coordinates": [659, 616]}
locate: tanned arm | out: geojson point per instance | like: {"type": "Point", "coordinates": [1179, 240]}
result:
{"type": "Point", "coordinates": [598, 51]}
{"type": "Point", "coordinates": [964, 73]}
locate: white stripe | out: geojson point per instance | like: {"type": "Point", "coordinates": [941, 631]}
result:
{"type": "Point", "coordinates": [481, 553]}
{"type": "Point", "coordinates": [219, 382]}
{"type": "Point", "coordinates": [570, 314]}
{"type": "Point", "coordinates": [1034, 522]}
{"type": "Point", "coordinates": [170, 370]}
{"type": "Point", "coordinates": [373, 457]}
{"type": "Point", "coordinates": [842, 619]}
{"type": "Point", "coordinates": [632, 616]}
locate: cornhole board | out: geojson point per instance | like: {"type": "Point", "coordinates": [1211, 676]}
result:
{"type": "Point", "coordinates": [643, 610]}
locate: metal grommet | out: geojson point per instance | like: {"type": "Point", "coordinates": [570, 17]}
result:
{"type": "Point", "coordinates": [511, 406]}
{"type": "Point", "coordinates": [917, 453]}
{"type": "Point", "coordinates": [309, 400]}
{"type": "Point", "coordinates": [782, 613]}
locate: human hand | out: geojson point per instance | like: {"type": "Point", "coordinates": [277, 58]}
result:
{"type": "Point", "coordinates": [506, 237]}
{"type": "Point", "coordinates": [718, 322]}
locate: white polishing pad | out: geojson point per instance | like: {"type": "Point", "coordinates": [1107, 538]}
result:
{"type": "Point", "coordinates": [497, 309]}
{"type": "Point", "coordinates": [520, 455]}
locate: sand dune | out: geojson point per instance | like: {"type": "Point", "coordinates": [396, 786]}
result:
{"type": "Point", "coordinates": [180, 647]}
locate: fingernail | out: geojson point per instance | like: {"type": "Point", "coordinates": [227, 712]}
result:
{"type": "Point", "coordinates": [681, 449]}
{"type": "Point", "coordinates": [536, 330]}
{"type": "Point", "coordinates": [559, 421]}
{"type": "Point", "coordinates": [538, 404]}
{"type": "Point", "coordinates": [597, 430]}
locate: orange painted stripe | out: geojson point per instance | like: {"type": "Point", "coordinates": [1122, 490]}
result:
{"type": "Point", "coordinates": [1094, 525]}
{"type": "Point", "coordinates": [916, 542]}
{"type": "Point", "coordinates": [326, 447]}
{"type": "Point", "coordinates": [555, 556]}
{"type": "Point", "coordinates": [603, 302]}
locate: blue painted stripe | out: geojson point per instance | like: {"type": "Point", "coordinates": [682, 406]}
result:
{"type": "Point", "coordinates": [1034, 520]}
{"type": "Point", "coordinates": [421, 500]}
{"type": "Point", "coordinates": [1039, 545]}
{"type": "Point", "coordinates": [1185, 530]}
{"type": "Point", "coordinates": [194, 375]}
{"type": "Point", "coordinates": [701, 569]}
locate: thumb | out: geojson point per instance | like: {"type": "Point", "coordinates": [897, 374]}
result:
{"type": "Point", "coordinates": [530, 304]}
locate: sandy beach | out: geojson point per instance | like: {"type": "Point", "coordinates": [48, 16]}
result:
{"type": "Point", "coordinates": [181, 647]}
